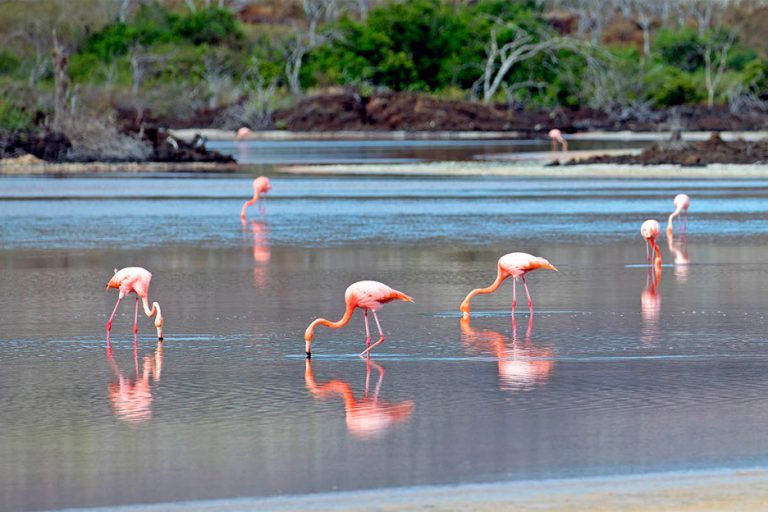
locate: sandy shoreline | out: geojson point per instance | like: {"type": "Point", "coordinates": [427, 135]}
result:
{"type": "Point", "coordinates": [526, 170]}
{"type": "Point", "coordinates": [724, 490]}
{"type": "Point", "coordinates": [18, 167]}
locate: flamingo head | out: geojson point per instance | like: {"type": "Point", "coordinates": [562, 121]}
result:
{"type": "Point", "coordinates": [113, 283]}
{"type": "Point", "coordinates": [309, 335]}
{"type": "Point", "coordinates": [546, 265]}
{"type": "Point", "coordinates": [464, 308]}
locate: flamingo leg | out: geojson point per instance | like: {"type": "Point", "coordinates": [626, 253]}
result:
{"type": "Point", "coordinates": [647, 252]}
{"type": "Point", "coordinates": [381, 338]}
{"type": "Point", "coordinates": [514, 295]}
{"type": "Point", "coordinates": [685, 220]}
{"type": "Point", "coordinates": [530, 302]}
{"type": "Point", "coordinates": [109, 322]}
{"type": "Point", "coordinates": [136, 317]}
{"type": "Point", "coordinates": [367, 330]}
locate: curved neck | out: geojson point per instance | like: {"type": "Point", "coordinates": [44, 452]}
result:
{"type": "Point", "coordinates": [500, 276]}
{"type": "Point", "coordinates": [156, 312]}
{"type": "Point", "coordinates": [333, 325]}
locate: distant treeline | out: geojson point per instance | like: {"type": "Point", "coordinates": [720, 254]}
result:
{"type": "Point", "coordinates": [65, 62]}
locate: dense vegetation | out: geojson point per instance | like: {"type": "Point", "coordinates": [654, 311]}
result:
{"type": "Point", "coordinates": [178, 58]}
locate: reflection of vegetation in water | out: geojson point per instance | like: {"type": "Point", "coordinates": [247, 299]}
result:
{"type": "Point", "coordinates": [168, 58]}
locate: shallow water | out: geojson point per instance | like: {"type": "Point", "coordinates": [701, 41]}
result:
{"type": "Point", "coordinates": [270, 152]}
{"type": "Point", "coordinates": [616, 374]}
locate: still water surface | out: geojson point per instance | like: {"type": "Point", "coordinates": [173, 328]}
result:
{"type": "Point", "coordinates": [617, 373]}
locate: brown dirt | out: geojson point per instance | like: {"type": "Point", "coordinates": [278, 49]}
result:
{"type": "Point", "coordinates": [711, 151]}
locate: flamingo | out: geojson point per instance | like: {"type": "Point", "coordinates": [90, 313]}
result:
{"type": "Point", "coordinates": [243, 133]}
{"type": "Point", "coordinates": [515, 265]}
{"type": "Point", "coordinates": [556, 136]}
{"type": "Point", "coordinates": [366, 295]}
{"type": "Point", "coordinates": [368, 417]}
{"type": "Point", "coordinates": [135, 279]}
{"type": "Point", "coordinates": [650, 230]}
{"type": "Point", "coordinates": [682, 202]}
{"type": "Point", "coordinates": [261, 185]}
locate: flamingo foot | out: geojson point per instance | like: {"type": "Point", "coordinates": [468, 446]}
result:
{"type": "Point", "coordinates": [365, 352]}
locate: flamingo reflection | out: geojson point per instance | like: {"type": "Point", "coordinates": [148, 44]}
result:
{"type": "Point", "coordinates": [650, 305]}
{"type": "Point", "coordinates": [368, 417]}
{"type": "Point", "coordinates": [261, 252]}
{"type": "Point", "coordinates": [522, 366]}
{"type": "Point", "coordinates": [679, 250]}
{"type": "Point", "coordinates": [131, 399]}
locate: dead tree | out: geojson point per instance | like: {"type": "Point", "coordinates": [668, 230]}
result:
{"type": "Point", "coordinates": [60, 61]}
{"type": "Point", "coordinates": [715, 51]}
{"type": "Point", "coordinates": [500, 59]}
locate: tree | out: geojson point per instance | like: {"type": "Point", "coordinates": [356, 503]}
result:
{"type": "Point", "coordinates": [714, 49]}
{"type": "Point", "coordinates": [523, 46]}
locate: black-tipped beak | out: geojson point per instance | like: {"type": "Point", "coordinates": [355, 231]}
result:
{"type": "Point", "coordinates": [309, 355]}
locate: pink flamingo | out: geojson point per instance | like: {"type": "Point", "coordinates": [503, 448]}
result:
{"type": "Point", "coordinates": [650, 230]}
{"type": "Point", "coordinates": [366, 295]}
{"type": "Point", "coordinates": [243, 133]}
{"type": "Point", "coordinates": [682, 202]}
{"type": "Point", "coordinates": [368, 417]}
{"type": "Point", "coordinates": [556, 136]}
{"type": "Point", "coordinates": [261, 185]}
{"type": "Point", "coordinates": [514, 265]}
{"type": "Point", "coordinates": [135, 279]}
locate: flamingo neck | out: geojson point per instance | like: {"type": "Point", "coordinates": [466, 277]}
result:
{"type": "Point", "coordinates": [657, 258]}
{"type": "Point", "coordinates": [500, 277]}
{"type": "Point", "coordinates": [672, 215]}
{"type": "Point", "coordinates": [310, 332]}
{"type": "Point", "coordinates": [157, 313]}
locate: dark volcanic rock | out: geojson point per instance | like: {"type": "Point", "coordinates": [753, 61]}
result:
{"type": "Point", "coordinates": [711, 151]}
{"type": "Point", "coordinates": [52, 146]}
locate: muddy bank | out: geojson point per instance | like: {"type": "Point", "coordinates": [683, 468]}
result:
{"type": "Point", "coordinates": [714, 150]}
{"type": "Point", "coordinates": [414, 112]}
{"type": "Point", "coordinates": [348, 110]}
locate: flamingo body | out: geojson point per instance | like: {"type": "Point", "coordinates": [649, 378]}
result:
{"type": "Point", "coordinates": [681, 202]}
{"type": "Point", "coordinates": [261, 185]}
{"type": "Point", "coordinates": [135, 280]}
{"type": "Point", "coordinates": [365, 295]}
{"type": "Point", "coordinates": [556, 136]}
{"type": "Point", "coordinates": [515, 265]}
{"type": "Point", "coordinates": [650, 231]}
{"type": "Point", "coordinates": [243, 133]}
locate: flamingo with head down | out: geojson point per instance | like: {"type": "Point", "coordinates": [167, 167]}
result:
{"type": "Point", "coordinates": [682, 202]}
{"type": "Point", "coordinates": [261, 186]}
{"type": "Point", "coordinates": [650, 231]}
{"type": "Point", "coordinates": [556, 136]}
{"type": "Point", "coordinates": [515, 265]}
{"type": "Point", "coordinates": [135, 280]}
{"type": "Point", "coordinates": [366, 295]}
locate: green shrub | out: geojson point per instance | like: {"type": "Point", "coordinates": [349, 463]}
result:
{"type": "Point", "coordinates": [674, 87]}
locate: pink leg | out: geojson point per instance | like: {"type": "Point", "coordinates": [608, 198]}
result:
{"type": "Point", "coordinates": [514, 295]}
{"type": "Point", "coordinates": [367, 330]}
{"type": "Point", "coordinates": [136, 317]}
{"type": "Point", "coordinates": [381, 338]}
{"type": "Point", "coordinates": [685, 220]}
{"type": "Point", "coordinates": [530, 302]}
{"type": "Point", "coordinates": [109, 322]}
{"type": "Point", "coordinates": [647, 252]}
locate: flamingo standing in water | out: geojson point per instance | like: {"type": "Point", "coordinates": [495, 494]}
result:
{"type": "Point", "coordinates": [261, 185]}
{"type": "Point", "coordinates": [682, 202]}
{"type": "Point", "coordinates": [243, 133]}
{"type": "Point", "coordinates": [556, 136]}
{"type": "Point", "coordinates": [136, 280]}
{"type": "Point", "coordinates": [514, 265]}
{"type": "Point", "coordinates": [650, 230]}
{"type": "Point", "coordinates": [366, 295]}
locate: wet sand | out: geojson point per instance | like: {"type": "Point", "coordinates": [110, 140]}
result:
{"type": "Point", "coordinates": [722, 491]}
